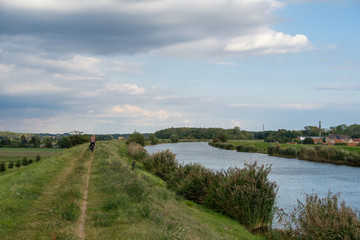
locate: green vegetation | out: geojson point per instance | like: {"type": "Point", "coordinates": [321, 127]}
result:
{"type": "Point", "coordinates": [15, 154]}
{"type": "Point", "coordinates": [203, 133]}
{"type": "Point", "coordinates": [246, 194]}
{"type": "Point", "coordinates": [136, 137]}
{"type": "Point", "coordinates": [42, 201]}
{"type": "Point", "coordinates": [319, 218]}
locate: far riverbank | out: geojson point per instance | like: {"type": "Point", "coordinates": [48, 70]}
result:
{"type": "Point", "coordinates": [341, 155]}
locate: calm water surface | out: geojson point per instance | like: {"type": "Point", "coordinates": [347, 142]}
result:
{"type": "Point", "coordinates": [294, 177]}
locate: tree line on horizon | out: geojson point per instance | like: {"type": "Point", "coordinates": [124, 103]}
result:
{"type": "Point", "coordinates": [66, 140]}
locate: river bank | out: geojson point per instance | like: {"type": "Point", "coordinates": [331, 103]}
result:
{"type": "Point", "coordinates": [339, 155]}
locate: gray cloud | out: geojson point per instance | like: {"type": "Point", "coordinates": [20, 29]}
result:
{"type": "Point", "coordinates": [129, 27]}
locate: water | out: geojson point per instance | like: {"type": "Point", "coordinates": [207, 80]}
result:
{"type": "Point", "coordinates": [294, 177]}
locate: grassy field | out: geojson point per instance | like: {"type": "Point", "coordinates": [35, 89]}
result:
{"type": "Point", "coordinates": [15, 154]}
{"type": "Point", "coordinates": [44, 199]}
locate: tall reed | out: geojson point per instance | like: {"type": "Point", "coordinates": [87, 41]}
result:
{"type": "Point", "coordinates": [321, 219]}
{"type": "Point", "coordinates": [245, 194]}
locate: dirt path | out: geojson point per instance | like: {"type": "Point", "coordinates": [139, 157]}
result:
{"type": "Point", "coordinates": [39, 218]}
{"type": "Point", "coordinates": [81, 226]}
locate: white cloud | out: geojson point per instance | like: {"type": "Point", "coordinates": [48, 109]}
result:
{"type": "Point", "coordinates": [125, 88]}
{"type": "Point", "coordinates": [132, 111]}
{"type": "Point", "coordinates": [268, 42]}
{"type": "Point", "coordinates": [4, 68]}
{"type": "Point", "coordinates": [14, 88]}
{"type": "Point", "coordinates": [127, 67]}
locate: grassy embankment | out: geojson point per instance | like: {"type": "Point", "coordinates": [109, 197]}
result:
{"type": "Point", "coordinates": [42, 201]}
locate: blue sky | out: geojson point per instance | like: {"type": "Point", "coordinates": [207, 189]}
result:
{"type": "Point", "coordinates": [115, 66]}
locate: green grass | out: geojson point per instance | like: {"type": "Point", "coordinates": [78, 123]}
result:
{"type": "Point", "coordinates": [15, 154]}
{"type": "Point", "coordinates": [136, 205]}
{"type": "Point", "coordinates": [42, 201]}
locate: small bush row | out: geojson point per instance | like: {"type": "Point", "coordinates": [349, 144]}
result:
{"type": "Point", "coordinates": [244, 194]}
{"type": "Point", "coordinates": [245, 148]}
{"type": "Point", "coordinates": [223, 145]}
{"type": "Point", "coordinates": [277, 150]}
{"type": "Point", "coordinates": [24, 162]}
{"type": "Point", "coordinates": [329, 154]}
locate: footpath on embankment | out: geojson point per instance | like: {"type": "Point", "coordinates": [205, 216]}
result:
{"type": "Point", "coordinates": [80, 195]}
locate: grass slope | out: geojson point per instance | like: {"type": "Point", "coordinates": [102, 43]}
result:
{"type": "Point", "coordinates": [42, 201]}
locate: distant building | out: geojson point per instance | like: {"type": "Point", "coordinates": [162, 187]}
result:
{"type": "Point", "coordinates": [316, 139]}
{"type": "Point", "coordinates": [121, 138]}
{"type": "Point", "coordinates": [333, 139]}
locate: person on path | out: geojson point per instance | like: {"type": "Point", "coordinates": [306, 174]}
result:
{"type": "Point", "coordinates": [92, 142]}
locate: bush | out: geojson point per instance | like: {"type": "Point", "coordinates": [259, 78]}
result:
{"type": "Point", "coordinates": [136, 151]}
{"type": "Point", "coordinates": [245, 148]}
{"type": "Point", "coordinates": [17, 164]}
{"type": "Point", "coordinates": [11, 165]}
{"type": "Point", "coordinates": [161, 163]}
{"type": "Point", "coordinates": [38, 158]}
{"type": "Point", "coordinates": [274, 150]}
{"type": "Point", "coordinates": [244, 194]}
{"type": "Point", "coordinates": [230, 146]}
{"type": "Point", "coordinates": [2, 167]}
{"type": "Point", "coordinates": [322, 219]}
{"type": "Point", "coordinates": [136, 137]}
{"type": "Point", "coordinates": [308, 140]}
{"type": "Point", "coordinates": [288, 152]}
{"type": "Point", "coordinates": [24, 162]}
{"type": "Point", "coordinates": [191, 181]}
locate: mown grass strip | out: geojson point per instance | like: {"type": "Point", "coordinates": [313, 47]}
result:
{"type": "Point", "coordinates": [51, 210]}
{"type": "Point", "coordinates": [126, 204]}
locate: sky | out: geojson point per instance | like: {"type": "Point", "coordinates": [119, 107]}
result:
{"type": "Point", "coordinates": [119, 66]}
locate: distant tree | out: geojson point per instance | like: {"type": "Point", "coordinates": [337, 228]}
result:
{"type": "Point", "coordinates": [48, 142]}
{"type": "Point", "coordinates": [153, 139]}
{"type": "Point", "coordinates": [223, 137]}
{"type": "Point", "coordinates": [174, 138]}
{"type": "Point", "coordinates": [64, 142]}
{"type": "Point", "coordinates": [137, 138]}
{"type": "Point", "coordinates": [23, 141]}
{"type": "Point", "coordinates": [77, 138]}
{"type": "Point", "coordinates": [35, 141]}
{"type": "Point", "coordinates": [308, 141]}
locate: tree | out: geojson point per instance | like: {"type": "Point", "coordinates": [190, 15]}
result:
{"type": "Point", "coordinates": [35, 141]}
{"type": "Point", "coordinates": [308, 141]}
{"type": "Point", "coordinates": [77, 138]}
{"type": "Point", "coordinates": [137, 138]}
{"type": "Point", "coordinates": [48, 142]}
{"type": "Point", "coordinates": [153, 139]}
{"type": "Point", "coordinates": [64, 142]}
{"type": "Point", "coordinates": [23, 141]}
{"type": "Point", "coordinates": [174, 138]}
{"type": "Point", "coordinates": [222, 137]}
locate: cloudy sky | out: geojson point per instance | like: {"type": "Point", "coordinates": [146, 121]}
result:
{"type": "Point", "coordinates": [115, 66]}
